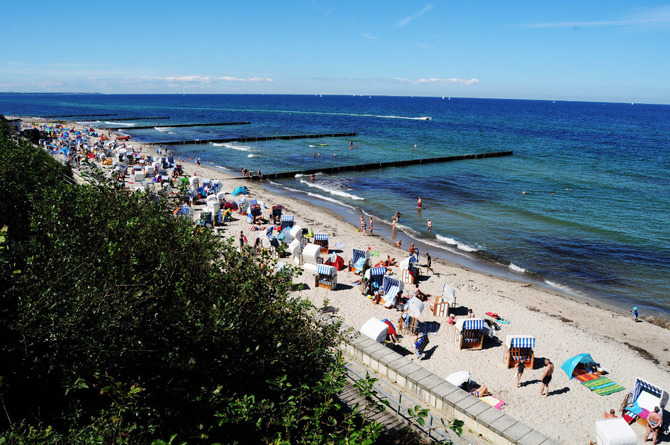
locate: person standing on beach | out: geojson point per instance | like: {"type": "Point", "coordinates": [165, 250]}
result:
{"type": "Point", "coordinates": [654, 422]}
{"type": "Point", "coordinates": [241, 238]}
{"type": "Point", "coordinates": [520, 368]}
{"type": "Point", "coordinates": [546, 378]}
{"type": "Point", "coordinates": [635, 314]}
{"type": "Point", "coordinates": [363, 226]}
{"type": "Point", "coordinates": [371, 228]}
{"type": "Point", "coordinates": [429, 225]}
{"type": "Point", "coordinates": [429, 263]}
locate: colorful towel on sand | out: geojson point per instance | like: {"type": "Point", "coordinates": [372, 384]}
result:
{"type": "Point", "coordinates": [603, 386]}
{"type": "Point", "coordinates": [497, 317]}
{"type": "Point", "coordinates": [374, 253]}
{"type": "Point", "coordinates": [496, 403]}
{"type": "Point", "coordinates": [584, 376]}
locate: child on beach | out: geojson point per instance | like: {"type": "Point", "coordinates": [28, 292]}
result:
{"type": "Point", "coordinates": [635, 314]}
{"type": "Point", "coordinates": [520, 368]}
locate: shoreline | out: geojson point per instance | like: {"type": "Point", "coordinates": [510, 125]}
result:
{"type": "Point", "coordinates": [563, 327]}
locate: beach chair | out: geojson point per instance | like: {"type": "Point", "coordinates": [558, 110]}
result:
{"type": "Point", "coordinates": [375, 329]}
{"type": "Point", "coordinates": [296, 234]}
{"type": "Point", "coordinates": [644, 398]}
{"type": "Point", "coordinates": [206, 220]}
{"type": "Point", "coordinates": [326, 276]}
{"type": "Point", "coordinates": [357, 255]}
{"type": "Point", "coordinates": [390, 289]}
{"type": "Point", "coordinates": [322, 240]}
{"type": "Point", "coordinates": [286, 221]}
{"type": "Point", "coordinates": [311, 254]}
{"type": "Point", "coordinates": [469, 333]}
{"type": "Point", "coordinates": [445, 302]}
{"type": "Point", "coordinates": [409, 273]}
{"type": "Point", "coordinates": [275, 213]}
{"type": "Point", "coordinates": [408, 325]}
{"type": "Point", "coordinates": [377, 276]}
{"type": "Point", "coordinates": [614, 432]}
{"type": "Point", "coordinates": [519, 348]}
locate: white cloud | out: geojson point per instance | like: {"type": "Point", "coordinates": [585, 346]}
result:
{"type": "Point", "coordinates": [651, 16]}
{"type": "Point", "coordinates": [412, 17]}
{"type": "Point", "coordinates": [369, 36]}
{"type": "Point", "coordinates": [436, 81]}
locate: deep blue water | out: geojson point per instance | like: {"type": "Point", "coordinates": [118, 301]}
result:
{"type": "Point", "coordinates": [594, 218]}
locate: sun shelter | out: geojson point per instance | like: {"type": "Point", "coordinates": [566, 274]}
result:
{"type": "Point", "coordinates": [240, 191]}
{"type": "Point", "coordinates": [322, 240]}
{"type": "Point", "coordinates": [414, 307]}
{"type": "Point", "coordinates": [336, 261]}
{"type": "Point", "coordinates": [356, 259]}
{"type": "Point", "coordinates": [390, 289]}
{"type": "Point", "coordinates": [445, 302]}
{"type": "Point", "coordinates": [375, 329]}
{"type": "Point", "coordinates": [469, 333]}
{"type": "Point", "coordinates": [232, 205]}
{"type": "Point", "coordinates": [287, 221]}
{"type": "Point", "coordinates": [326, 276]}
{"type": "Point", "coordinates": [459, 378]}
{"type": "Point", "coordinates": [519, 348]}
{"type": "Point", "coordinates": [409, 273]}
{"type": "Point", "coordinates": [614, 432]}
{"type": "Point", "coordinates": [643, 399]}
{"type": "Point", "coordinates": [570, 364]}
{"type": "Point", "coordinates": [311, 254]}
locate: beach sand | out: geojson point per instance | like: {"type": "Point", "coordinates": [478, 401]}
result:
{"type": "Point", "coordinates": [563, 327]}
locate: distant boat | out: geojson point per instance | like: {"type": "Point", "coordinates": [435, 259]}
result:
{"type": "Point", "coordinates": [425, 118]}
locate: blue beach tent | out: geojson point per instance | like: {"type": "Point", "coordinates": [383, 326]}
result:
{"type": "Point", "coordinates": [240, 191]}
{"type": "Point", "coordinates": [571, 363]}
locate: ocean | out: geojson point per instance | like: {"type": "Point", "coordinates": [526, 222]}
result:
{"type": "Point", "coordinates": [582, 206]}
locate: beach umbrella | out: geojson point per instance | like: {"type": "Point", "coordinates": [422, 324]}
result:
{"type": "Point", "coordinates": [571, 363]}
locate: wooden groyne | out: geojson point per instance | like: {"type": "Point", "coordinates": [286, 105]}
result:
{"type": "Point", "coordinates": [379, 165]}
{"type": "Point", "coordinates": [253, 138]}
{"type": "Point", "coordinates": [214, 124]}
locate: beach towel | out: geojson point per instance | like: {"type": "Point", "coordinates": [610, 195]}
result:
{"type": "Point", "coordinates": [603, 386]}
{"type": "Point", "coordinates": [497, 317]}
{"type": "Point", "coordinates": [496, 403]}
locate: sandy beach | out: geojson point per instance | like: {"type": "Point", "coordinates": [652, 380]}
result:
{"type": "Point", "coordinates": [563, 327]}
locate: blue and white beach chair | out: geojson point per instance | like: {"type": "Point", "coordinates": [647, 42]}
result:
{"type": "Point", "coordinates": [390, 289]}
{"type": "Point", "coordinates": [322, 240]}
{"type": "Point", "coordinates": [519, 348]}
{"type": "Point", "coordinates": [326, 276]}
{"type": "Point", "coordinates": [469, 333]}
{"type": "Point", "coordinates": [286, 221]}
{"type": "Point", "coordinates": [357, 256]}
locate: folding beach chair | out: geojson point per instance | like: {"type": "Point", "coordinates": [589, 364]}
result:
{"type": "Point", "coordinates": [469, 333]}
{"type": "Point", "coordinates": [322, 240]}
{"type": "Point", "coordinates": [408, 271]}
{"type": "Point", "coordinates": [326, 276]}
{"type": "Point", "coordinates": [519, 348]}
{"type": "Point", "coordinates": [286, 221]}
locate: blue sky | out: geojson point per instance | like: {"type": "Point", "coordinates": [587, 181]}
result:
{"type": "Point", "coordinates": [615, 51]}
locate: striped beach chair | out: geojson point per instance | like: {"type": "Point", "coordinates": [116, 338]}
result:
{"type": "Point", "coordinates": [469, 333]}
{"type": "Point", "coordinates": [377, 276]}
{"type": "Point", "coordinates": [356, 257]}
{"type": "Point", "coordinates": [326, 276]}
{"type": "Point", "coordinates": [519, 348]}
{"type": "Point", "coordinates": [390, 289]}
{"type": "Point", "coordinates": [445, 302]}
{"type": "Point", "coordinates": [322, 240]}
{"type": "Point", "coordinates": [286, 221]}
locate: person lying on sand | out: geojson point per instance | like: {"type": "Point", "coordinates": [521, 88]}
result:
{"type": "Point", "coordinates": [480, 391]}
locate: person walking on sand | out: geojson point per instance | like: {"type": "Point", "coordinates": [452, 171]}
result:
{"type": "Point", "coordinates": [363, 226]}
{"type": "Point", "coordinates": [635, 314]}
{"type": "Point", "coordinates": [371, 228]}
{"type": "Point", "coordinates": [520, 368]}
{"type": "Point", "coordinates": [429, 225]}
{"type": "Point", "coordinates": [429, 263]}
{"type": "Point", "coordinates": [546, 378]}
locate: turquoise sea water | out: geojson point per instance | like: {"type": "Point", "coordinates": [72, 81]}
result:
{"type": "Point", "coordinates": [594, 218]}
